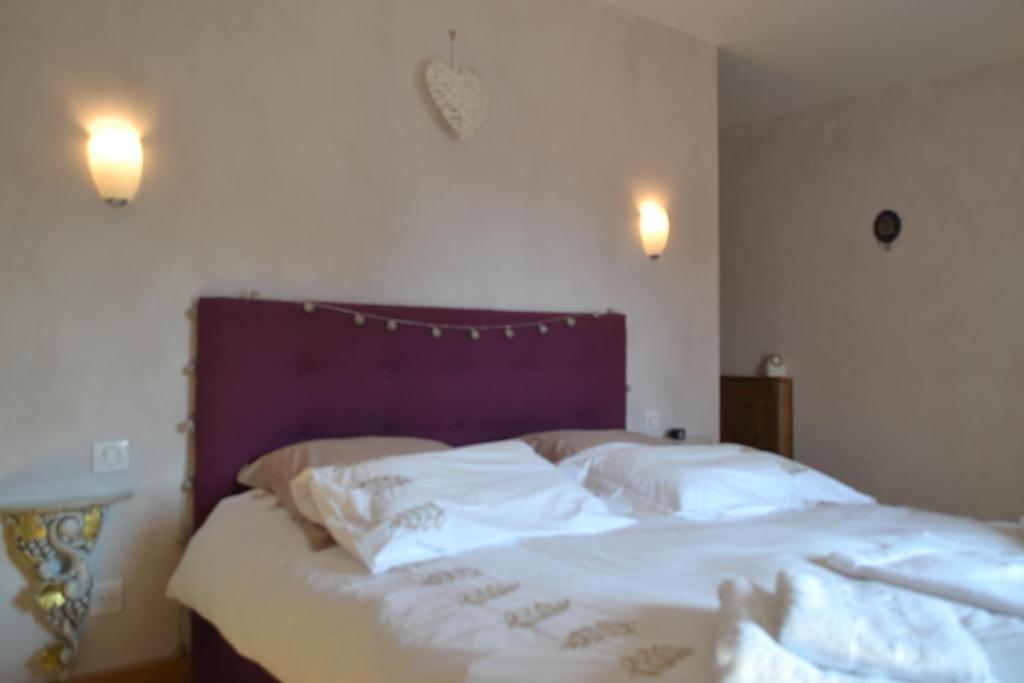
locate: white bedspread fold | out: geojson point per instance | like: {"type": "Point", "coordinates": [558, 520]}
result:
{"type": "Point", "coordinates": [747, 653]}
{"type": "Point", "coordinates": [992, 579]}
{"type": "Point", "coordinates": [869, 628]}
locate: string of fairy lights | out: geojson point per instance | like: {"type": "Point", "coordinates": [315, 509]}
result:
{"type": "Point", "coordinates": [437, 329]}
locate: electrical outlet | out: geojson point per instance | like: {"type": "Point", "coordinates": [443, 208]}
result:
{"type": "Point", "coordinates": [652, 421]}
{"type": "Point", "coordinates": [110, 456]}
{"type": "Point", "coordinates": [107, 597]}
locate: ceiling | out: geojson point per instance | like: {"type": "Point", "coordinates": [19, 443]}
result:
{"type": "Point", "coordinates": [778, 56]}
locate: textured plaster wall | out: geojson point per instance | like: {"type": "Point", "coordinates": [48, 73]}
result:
{"type": "Point", "coordinates": [908, 364]}
{"type": "Point", "coordinates": [290, 149]}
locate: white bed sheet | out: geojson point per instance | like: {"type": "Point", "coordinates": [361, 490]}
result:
{"type": "Point", "coordinates": [320, 618]}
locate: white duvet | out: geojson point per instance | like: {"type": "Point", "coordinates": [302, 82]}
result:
{"type": "Point", "coordinates": [394, 511]}
{"type": "Point", "coordinates": [626, 605]}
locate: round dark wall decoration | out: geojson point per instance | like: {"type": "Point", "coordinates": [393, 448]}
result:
{"type": "Point", "coordinates": [888, 226]}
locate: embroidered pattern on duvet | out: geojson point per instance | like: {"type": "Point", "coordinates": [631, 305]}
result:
{"type": "Point", "coordinates": [792, 467]}
{"type": "Point", "coordinates": [484, 594]}
{"type": "Point", "coordinates": [378, 485]}
{"type": "Point", "coordinates": [531, 615]}
{"type": "Point", "coordinates": [439, 578]}
{"type": "Point", "coordinates": [594, 633]}
{"type": "Point", "coordinates": [419, 518]}
{"type": "Point", "coordinates": [652, 661]}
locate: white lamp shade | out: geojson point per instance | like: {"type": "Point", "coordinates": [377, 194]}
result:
{"type": "Point", "coordinates": [115, 159]}
{"type": "Point", "coordinates": [654, 228]}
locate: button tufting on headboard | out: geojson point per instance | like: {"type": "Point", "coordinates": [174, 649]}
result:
{"type": "Point", "coordinates": [270, 374]}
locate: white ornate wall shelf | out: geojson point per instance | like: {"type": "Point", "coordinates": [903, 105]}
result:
{"type": "Point", "coordinates": [53, 539]}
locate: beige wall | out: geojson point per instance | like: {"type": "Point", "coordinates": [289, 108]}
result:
{"type": "Point", "coordinates": [908, 365]}
{"type": "Point", "coordinates": [290, 149]}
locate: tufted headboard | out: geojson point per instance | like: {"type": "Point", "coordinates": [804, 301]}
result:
{"type": "Point", "coordinates": [269, 374]}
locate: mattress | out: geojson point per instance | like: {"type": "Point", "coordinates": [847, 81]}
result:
{"type": "Point", "coordinates": [636, 602]}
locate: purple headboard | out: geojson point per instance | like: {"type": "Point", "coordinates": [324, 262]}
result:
{"type": "Point", "coordinates": [269, 374]}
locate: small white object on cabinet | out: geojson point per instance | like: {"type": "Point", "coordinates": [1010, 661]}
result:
{"type": "Point", "coordinates": [774, 367]}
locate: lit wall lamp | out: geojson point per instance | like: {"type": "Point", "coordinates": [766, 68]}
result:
{"type": "Point", "coordinates": [654, 228]}
{"type": "Point", "coordinates": [115, 159]}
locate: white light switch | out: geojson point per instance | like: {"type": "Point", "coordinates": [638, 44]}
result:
{"type": "Point", "coordinates": [110, 456]}
{"type": "Point", "coordinates": [107, 597]}
{"type": "Point", "coordinates": [652, 421]}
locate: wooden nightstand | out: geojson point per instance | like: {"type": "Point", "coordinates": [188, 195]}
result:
{"type": "Point", "coordinates": [758, 412]}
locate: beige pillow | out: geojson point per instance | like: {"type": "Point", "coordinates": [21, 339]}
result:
{"type": "Point", "coordinates": [274, 471]}
{"type": "Point", "coordinates": [559, 445]}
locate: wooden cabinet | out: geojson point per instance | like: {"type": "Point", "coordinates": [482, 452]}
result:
{"type": "Point", "coordinates": [758, 412]}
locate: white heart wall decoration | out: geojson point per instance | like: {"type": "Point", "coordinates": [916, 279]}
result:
{"type": "Point", "coordinates": [460, 96]}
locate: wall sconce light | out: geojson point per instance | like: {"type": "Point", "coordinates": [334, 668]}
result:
{"type": "Point", "coordinates": [115, 159]}
{"type": "Point", "coordinates": [654, 228]}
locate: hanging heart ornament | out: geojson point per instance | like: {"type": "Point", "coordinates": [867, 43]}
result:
{"type": "Point", "coordinates": [460, 96]}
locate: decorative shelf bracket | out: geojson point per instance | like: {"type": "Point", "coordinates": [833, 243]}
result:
{"type": "Point", "coordinates": [54, 542]}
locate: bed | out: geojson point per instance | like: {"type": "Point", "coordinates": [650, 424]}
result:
{"type": "Point", "coordinates": [269, 374]}
{"type": "Point", "coordinates": [634, 603]}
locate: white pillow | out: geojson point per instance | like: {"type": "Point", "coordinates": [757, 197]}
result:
{"type": "Point", "coordinates": [397, 510]}
{"type": "Point", "coordinates": [703, 483]}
